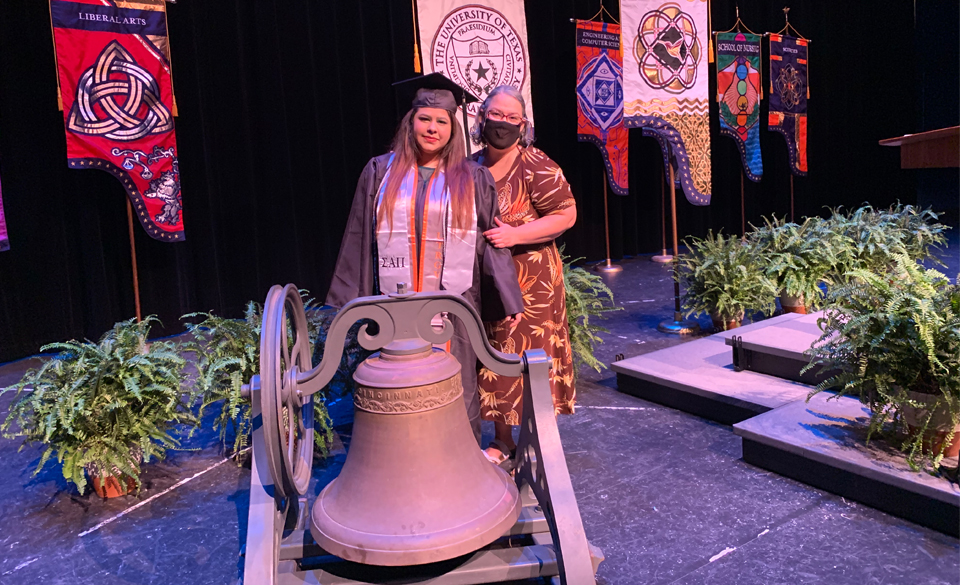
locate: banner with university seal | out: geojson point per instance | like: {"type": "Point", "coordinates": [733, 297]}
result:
{"type": "Point", "coordinates": [479, 44]}
{"type": "Point", "coordinates": [788, 97]}
{"type": "Point", "coordinates": [600, 97]}
{"type": "Point", "coordinates": [739, 91]}
{"type": "Point", "coordinates": [114, 70]}
{"type": "Point", "coordinates": [666, 86]}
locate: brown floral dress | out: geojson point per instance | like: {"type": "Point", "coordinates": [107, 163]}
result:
{"type": "Point", "coordinates": [532, 188]}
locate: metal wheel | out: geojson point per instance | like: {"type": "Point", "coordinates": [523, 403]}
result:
{"type": "Point", "coordinates": [287, 416]}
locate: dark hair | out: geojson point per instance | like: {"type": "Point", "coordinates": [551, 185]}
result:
{"type": "Point", "coordinates": [453, 162]}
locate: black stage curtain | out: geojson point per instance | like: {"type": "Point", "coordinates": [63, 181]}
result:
{"type": "Point", "coordinates": [281, 102]}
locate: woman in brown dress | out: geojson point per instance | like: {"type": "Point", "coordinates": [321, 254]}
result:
{"type": "Point", "coordinates": [536, 206]}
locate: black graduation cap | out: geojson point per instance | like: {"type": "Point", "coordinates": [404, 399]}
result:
{"type": "Point", "coordinates": [433, 91]}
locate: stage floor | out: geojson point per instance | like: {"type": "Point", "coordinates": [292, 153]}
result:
{"type": "Point", "coordinates": [665, 495]}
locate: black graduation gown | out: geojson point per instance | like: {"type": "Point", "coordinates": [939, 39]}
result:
{"type": "Point", "coordinates": [495, 292]}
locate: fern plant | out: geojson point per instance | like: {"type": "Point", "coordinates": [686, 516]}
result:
{"type": "Point", "coordinates": [587, 298]}
{"type": "Point", "coordinates": [101, 407]}
{"type": "Point", "coordinates": [724, 277]}
{"type": "Point", "coordinates": [796, 257]}
{"type": "Point", "coordinates": [870, 238]}
{"type": "Point", "coordinates": [227, 355]}
{"type": "Point", "coordinates": [887, 335]}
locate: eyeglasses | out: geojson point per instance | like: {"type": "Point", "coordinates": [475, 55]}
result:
{"type": "Point", "coordinates": [498, 116]}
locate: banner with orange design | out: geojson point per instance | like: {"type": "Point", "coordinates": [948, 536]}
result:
{"type": "Point", "coordinates": [600, 97]}
{"type": "Point", "coordinates": [666, 85]}
{"type": "Point", "coordinates": [789, 93]}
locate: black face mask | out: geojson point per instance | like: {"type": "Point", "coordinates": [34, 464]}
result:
{"type": "Point", "coordinates": [500, 135]}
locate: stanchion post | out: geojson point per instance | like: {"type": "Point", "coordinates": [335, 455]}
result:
{"type": "Point", "coordinates": [677, 325]}
{"type": "Point", "coordinates": [663, 257]}
{"type": "Point", "coordinates": [608, 268]}
{"type": "Point", "coordinates": [791, 198]}
{"type": "Point", "coordinates": [133, 258]}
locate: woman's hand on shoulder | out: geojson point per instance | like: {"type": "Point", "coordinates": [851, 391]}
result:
{"type": "Point", "coordinates": [502, 236]}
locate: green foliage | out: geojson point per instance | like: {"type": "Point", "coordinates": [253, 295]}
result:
{"type": "Point", "coordinates": [102, 406]}
{"type": "Point", "coordinates": [227, 355]}
{"type": "Point", "coordinates": [889, 333]}
{"type": "Point", "coordinates": [587, 297]}
{"type": "Point", "coordinates": [724, 276]}
{"type": "Point", "coordinates": [868, 239]}
{"type": "Point", "coordinates": [796, 258]}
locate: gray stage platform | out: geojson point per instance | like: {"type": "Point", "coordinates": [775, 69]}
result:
{"type": "Point", "coordinates": [778, 347]}
{"type": "Point", "coordinates": [698, 377]}
{"type": "Point", "coordinates": [822, 443]}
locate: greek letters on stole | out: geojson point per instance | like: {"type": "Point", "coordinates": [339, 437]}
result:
{"type": "Point", "coordinates": [446, 255]}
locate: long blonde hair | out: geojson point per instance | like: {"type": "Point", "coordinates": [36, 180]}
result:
{"type": "Point", "coordinates": [453, 163]}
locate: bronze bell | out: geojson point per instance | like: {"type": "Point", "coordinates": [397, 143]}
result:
{"type": "Point", "coordinates": [415, 487]}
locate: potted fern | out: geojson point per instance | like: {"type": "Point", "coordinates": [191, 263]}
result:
{"type": "Point", "coordinates": [227, 355]}
{"type": "Point", "coordinates": [587, 298]}
{"type": "Point", "coordinates": [893, 340]}
{"type": "Point", "coordinates": [868, 239]}
{"type": "Point", "coordinates": [725, 278]}
{"type": "Point", "coordinates": [102, 409]}
{"type": "Point", "coordinates": [797, 258]}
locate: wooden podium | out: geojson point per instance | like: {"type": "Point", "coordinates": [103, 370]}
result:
{"type": "Point", "coordinates": [935, 149]}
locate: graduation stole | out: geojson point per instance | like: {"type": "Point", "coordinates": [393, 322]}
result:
{"type": "Point", "coordinates": [446, 255]}
{"type": "Point", "coordinates": [789, 93]}
{"type": "Point", "coordinates": [739, 91]}
{"type": "Point", "coordinates": [600, 97]}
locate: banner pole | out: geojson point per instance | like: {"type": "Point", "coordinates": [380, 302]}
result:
{"type": "Point", "coordinates": [743, 213]}
{"type": "Point", "coordinates": [607, 268]}
{"type": "Point", "coordinates": [663, 257]}
{"type": "Point", "coordinates": [677, 325]}
{"type": "Point", "coordinates": [791, 198]}
{"type": "Point", "coordinates": [133, 258]}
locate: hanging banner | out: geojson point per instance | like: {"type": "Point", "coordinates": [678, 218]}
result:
{"type": "Point", "coordinates": [666, 89]}
{"type": "Point", "coordinates": [600, 97]}
{"type": "Point", "coordinates": [4, 240]}
{"type": "Point", "coordinates": [739, 91]}
{"type": "Point", "coordinates": [788, 97]}
{"type": "Point", "coordinates": [114, 76]}
{"type": "Point", "coordinates": [479, 45]}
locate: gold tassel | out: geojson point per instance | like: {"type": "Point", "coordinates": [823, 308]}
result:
{"type": "Point", "coordinates": [56, 67]}
{"type": "Point", "coordinates": [808, 69]}
{"type": "Point", "coordinates": [417, 68]}
{"type": "Point", "coordinates": [709, 26]}
{"type": "Point", "coordinates": [173, 96]}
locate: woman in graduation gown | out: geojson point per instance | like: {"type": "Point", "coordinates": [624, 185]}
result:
{"type": "Point", "coordinates": [453, 200]}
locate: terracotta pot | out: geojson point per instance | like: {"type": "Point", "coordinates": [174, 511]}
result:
{"type": "Point", "coordinates": [792, 304]}
{"type": "Point", "coordinates": [938, 428]}
{"type": "Point", "coordinates": [111, 487]}
{"type": "Point", "coordinates": [724, 323]}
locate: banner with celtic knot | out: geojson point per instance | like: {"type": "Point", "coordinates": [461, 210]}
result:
{"type": "Point", "coordinates": [739, 91]}
{"type": "Point", "coordinates": [114, 72]}
{"type": "Point", "coordinates": [788, 97]}
{"type": "Point", "coordinates": [600, 97]}
{"type": "Point", "coordinates": [665, 85]}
